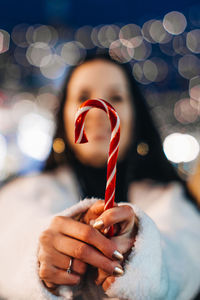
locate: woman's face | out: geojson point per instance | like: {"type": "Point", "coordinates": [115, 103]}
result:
{"type": "Point", "coordinates": [98, 79]}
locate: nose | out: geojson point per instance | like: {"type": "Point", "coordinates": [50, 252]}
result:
{"type": "Point", "coordinates": [97, 118]}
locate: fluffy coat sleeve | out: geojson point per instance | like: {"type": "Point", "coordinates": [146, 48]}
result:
{"type": "Point", "coordinates": [23, 216]}
{"type": "Point", "coordinates": [165, 261]}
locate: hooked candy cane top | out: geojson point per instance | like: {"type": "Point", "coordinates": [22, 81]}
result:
{"type": "Point", "coordinates": [80, 137]}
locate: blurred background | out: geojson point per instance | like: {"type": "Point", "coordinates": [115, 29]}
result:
{"type": "Point", "coordinates": [39, 40]}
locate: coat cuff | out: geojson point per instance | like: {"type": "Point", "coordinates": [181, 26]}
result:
{"type": "Point", "coordinates": [145, 277]}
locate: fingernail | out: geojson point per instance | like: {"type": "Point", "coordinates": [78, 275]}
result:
{"type": "Point", "coordinates": [117, 255]}
{"type": "Point", "coordinates": [106, 230]}
{"type": "Point", "coordinates": [118, 271]}
{"type": "Point", "coordinates": [98, 224]}
{"type": "Point", "coordinates": [92, 222]}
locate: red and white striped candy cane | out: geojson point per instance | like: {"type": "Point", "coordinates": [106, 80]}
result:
{"type": "Point", "coordinates": [80, 137]}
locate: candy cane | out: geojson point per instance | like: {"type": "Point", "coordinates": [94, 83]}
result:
{"type": "Point", "coordinates": [80, 137]}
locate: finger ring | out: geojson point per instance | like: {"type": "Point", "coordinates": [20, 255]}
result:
{"type": "Point", "coordinates": [69, 269]}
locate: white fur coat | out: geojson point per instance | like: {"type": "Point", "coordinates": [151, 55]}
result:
{"type": "Point", "coordinates": [165, 263]}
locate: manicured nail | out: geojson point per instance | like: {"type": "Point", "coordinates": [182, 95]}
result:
{"type": "Point", "coordinates": [106, 230]}
{"type": "Point", "coordinates": [117, 255]}
{"type": "Point", "coordinates": [118, 271]}
{"type": "Point", "coordinates": [98, 224]}
{"type": "Point", "coordinates": [92, 222]}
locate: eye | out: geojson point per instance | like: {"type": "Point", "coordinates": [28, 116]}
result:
{"type": "Point", "coordinates": [116, 98]}
{"type": "Point", "coordinates": [83, 98]}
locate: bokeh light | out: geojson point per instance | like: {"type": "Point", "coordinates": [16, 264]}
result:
{"type": "Point", "coordinates": [146, 31]}
{"type": "Point", "coordinates": [194, 88]}
{"type": "Point", "coordinates": [45, 34]}
{"type": "Point", "coordinates": [193, 40]}
{"type": "Point", "coordinates": [3, 151]}
{"type": "Point", "coordinates": [72, 52]}
{"type": "Point", "coordinates": [158, 32]}
{"type": "Point", "coordinates": [142, 52]}
{"type": "Point", "coordinates": [138, 73]}
{"type": "Point", "coordinates": [174, 22]}
{"type": "Point", "coordinates": [39, 54]}
{"type": "Point", "coordinates": [22, 107]}
{"type": "Point", "coordinates": [48, 101]}
{"type": "Point", "coordinates": [189, 66]}
{"type": "Point", "coordinates": [19, 35]}
{"type": "Point", "coordinates": [181, 147]}
{"type": "Point", "coordinates": [120, 52]}
{"type": "Point", "coordinates": [184, 112]}
{"type": "Point", "coordinates": [55, 67]}
{"type": "Point", "coordinates": [35, 136]}
{"type": "Point", "coordinates": [179, 44]}
{"type": "Point", "coordinates": [142, 149]}
{"type": "Point", "coordinates": [107, 34]}
{"type": "Point", "coordinates": [131, 35]}
{"type": "Point", "coordinates": [4, 41]}
{"type": "Point", "coordinates": [58, 145]}
{"type": "Point", "coordinates": [155, 69]}
{"type": "Point", "coordinates": [194, 91]}
{"type": "Point", "coordinates": [83, 36]}
{"type": "Point", "coordinates": [94, 36]}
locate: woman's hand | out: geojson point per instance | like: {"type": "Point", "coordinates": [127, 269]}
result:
{"type": "Point", "coordinates": [125, 229]}
{"type": "Point", "coordinates": [67, 238]}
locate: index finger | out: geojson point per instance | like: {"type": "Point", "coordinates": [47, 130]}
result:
{"type": "Point", "coordinates": [94, 211]}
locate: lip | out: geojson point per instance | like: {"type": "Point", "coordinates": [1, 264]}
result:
{"type": "Point", "coordinates": [99, 137]}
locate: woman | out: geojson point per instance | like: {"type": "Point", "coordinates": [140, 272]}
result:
{"type": "Point", "coordinates": [56, 254]}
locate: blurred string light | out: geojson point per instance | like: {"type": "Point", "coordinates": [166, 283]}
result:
{"type": "Point", "coordinates": [174, 22]}
{"type": "Point", "coordinates": [151, 70]}
{"type": "Point", "coordinates": [184, 112]}
{"type": "Point", "coordinates": [83, 36]}
{"type": "Point", "coordinates": [181, 147]}
{"type": "Point", "coordinates": [3, 151]}
{"type": "Point", "coordinates": [72, 52]}
{"type": "Point", "coordinates": [48, 101]}
{"type": "Point", "coordinates": [179, 44]}
{"type": "Point", "coordinates": [22, 108]}
{"type": "Point", "coordinates": [35, 136]}
{"type": "Point", "coordinates": [158, 32]}
{"type": "Point", "coordinates": [143, 51]}
{"type": "Point", "coordinates": [94, 36]}
{"type": "Point", "coordinates": [138, 73]}
{"type": "Point", "coordinates": [194, 88]}
{"type": "Point", "coordinates": [39, 54]}
{"type": "Point", "coordinates": [146, 31]}
{"type": "Point", "coordinates": [120, 52]}
{"type": "Point", "coordinates": [19, 35]}
{"type": "Point", "coordinates": [24, 35]}
{"type": "Point", "coordinates": [4, 41]}
{"type": "Point", "coordinates": [20, 57]}
{"type": "Point", "coordinates": [193, 40]}
{"type": "Point", "coordinates": [54, 68]}
{"type": "Point", "coordinates": [194, 91]}
{"type": "Point", "coordinates": [45, 34]}
{"type": "Point", "coordinates": [168, 48]}
{"type": "Point", "coordinates": [6, 123]}
{"type": "Point", "coordinates": [108, 34]}
{"type": "Point", "coordinates": [189, 66]}
{"type": "Point", "coordinates": [131, 35]}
